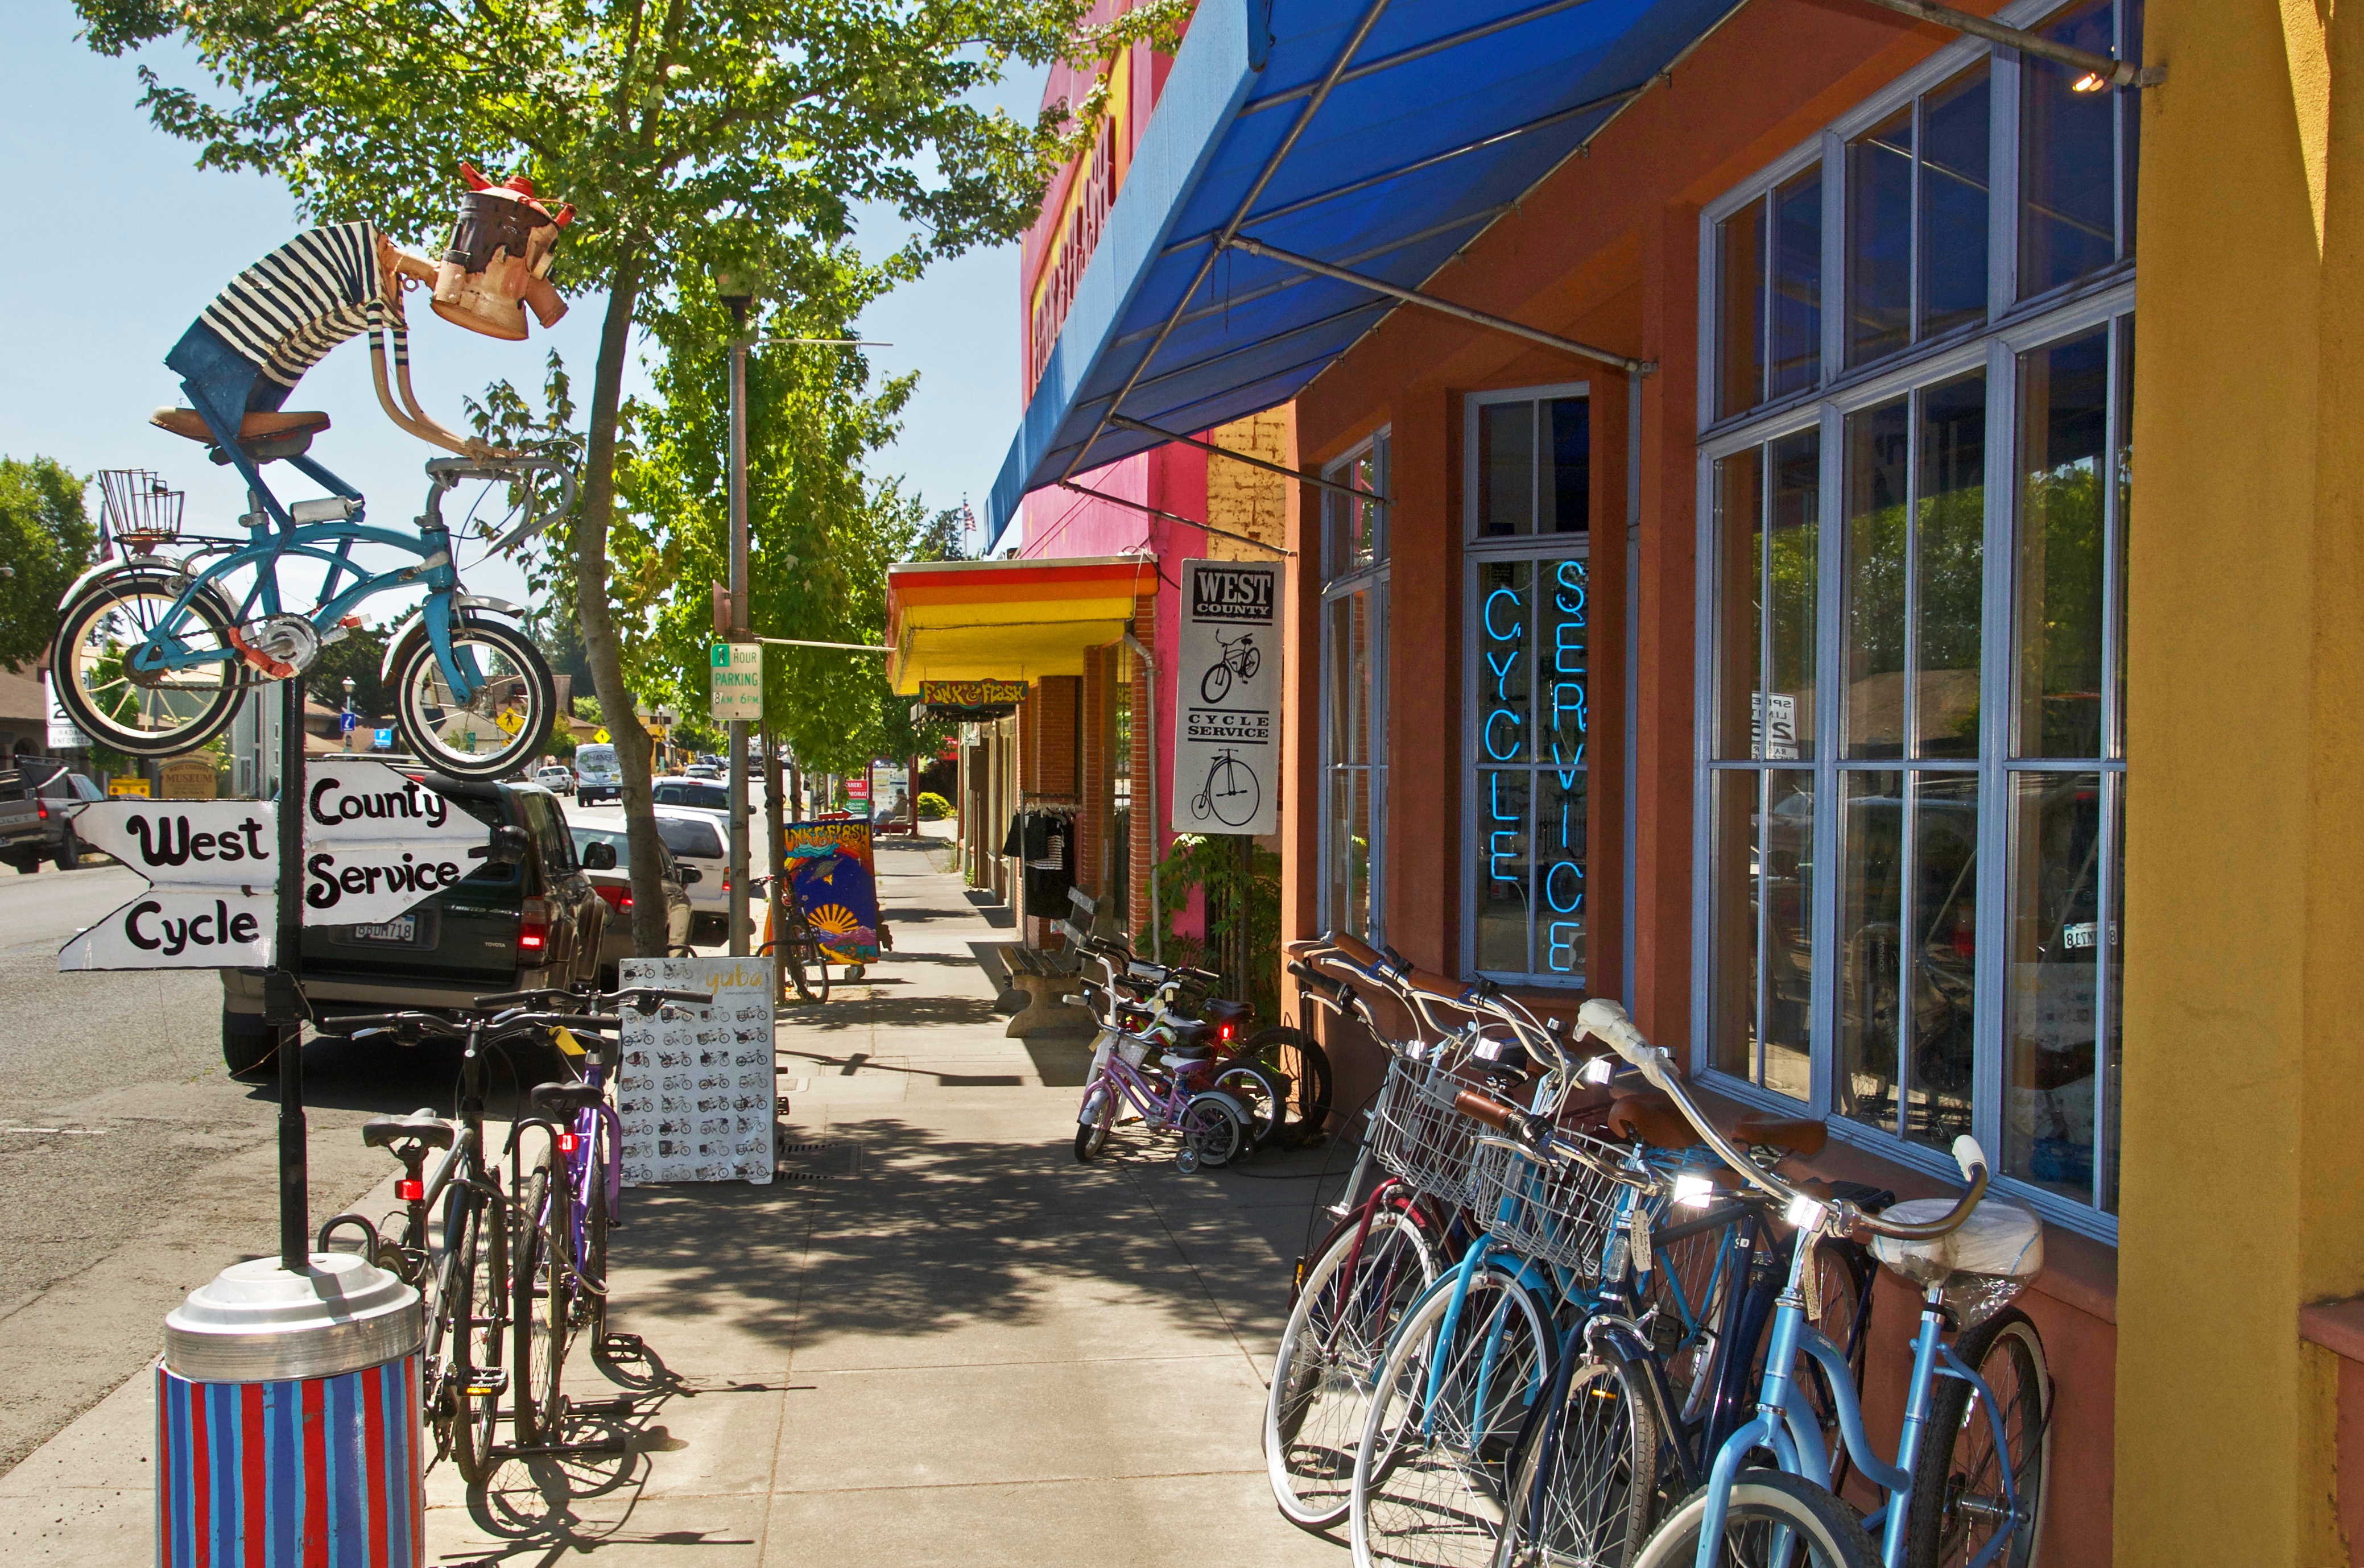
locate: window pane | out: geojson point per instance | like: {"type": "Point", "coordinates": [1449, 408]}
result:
{"type": "Point", "coordinates": [1877, 440]}
{"type": "Point", "coordinates": [1797, 284]}
{"type": "Point", "coordinates": [1945, 954]}
{"type": "Point", "coordinates": [2110, 943]}
{"type": "Point", "coordinates": [2130, 44]}
{"type": "Point", "coordinates": [1879, 240]}
{"type": "Point", "coordinates": [1870, 962]}
{"type": "Point", "coordinates": [2125, 481]}
{"type": "Point", "coordinates": [1949, 541]}
{"type": "Point", "coordinates": [1954, 203]}
{"type": "Point", "coordinates": [2048, 1101]}
{"type": "Point", "coordinates": [1567, 480]}
{"type": "Point", "coordinates": [1560, 861]}
{"type": "Point", "coordinates": [1739, 557]}
{"type": "Point", "coordinates": [1564, 651]}
{"type": "Point", "coordinates": [1350, 850]}
{"type": "Point", "coordinates": [1796, 530]}
{"type": "Point", "coordinates": [2068, 201]}
{"type": "Point", "coordinates": [1506, 469]}
{"type": "Point", "coordinates": [1505, 700]}
{"type": "Point", "coordinates": [1740, 293]}
{"type": "Point", "coordinates": [2063, 430]}
{"type": "Point", "coordinates": [1731, 895]}
{"type": "Point", "coordinates": [1503, 867]}
{"type": "Point", "coordinates": [1789, 934]}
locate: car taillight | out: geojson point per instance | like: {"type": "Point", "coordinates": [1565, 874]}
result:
{"type": "Point", "coordinates": [618, 899]}
{"type": "Point", "coordinates": [44, 807]}
{"type": "Point", "coordinates": [409, 1189]}
{"type": "Point", "coordinates": [533, 926]}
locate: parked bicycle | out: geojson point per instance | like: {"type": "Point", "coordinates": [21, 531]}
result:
{"type": "Point", "coordinates": [796, 940]}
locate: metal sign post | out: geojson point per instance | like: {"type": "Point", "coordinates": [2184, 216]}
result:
{"type": "Point", "coordinates": [283, 994]}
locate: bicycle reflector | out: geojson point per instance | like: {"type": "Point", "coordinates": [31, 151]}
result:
{"type": "Point", "coordinates": [566, 1142]}
{"type": "Point", "coordinates": [409, 1189]}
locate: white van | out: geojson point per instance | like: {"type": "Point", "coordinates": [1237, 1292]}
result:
{"type": "Point", "coordinates": [596, 776]}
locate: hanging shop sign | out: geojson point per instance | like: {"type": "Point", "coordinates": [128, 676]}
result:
{"type": "Point", "coordinates": [971, 700]}
{"type": "Point", "coordinates": [695, 1090]}
{"type": "Point", "coordinates": [736, 684]}
{"type": "Point", "coordinates": [375, 843]}
{"type": "Point", "coordinates": [1228, 683]}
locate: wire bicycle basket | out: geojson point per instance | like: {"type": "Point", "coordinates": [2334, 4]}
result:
{"type": "Point", "coordinates": [1416, 1132]}
{"type": "Point", "coordinates": [142, 512]}
{"type": "Point", "coordinates": [1562, 1212]}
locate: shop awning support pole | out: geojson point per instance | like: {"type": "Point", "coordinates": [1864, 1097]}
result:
{"type": "Point", "coordinates": [1625, 363]}
{"type": "Point", "coordinates": [1156, 904]}
{"type": "Point", "coordinates": [2115, 73]}
{"type": "Point", "coordinates": [1285, 472]}
{"type": "Point", "coordinates": [802, 642]}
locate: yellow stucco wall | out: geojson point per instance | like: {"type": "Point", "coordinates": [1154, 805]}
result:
{"type": "Point", "coordinates": [2244, 1079]}
{"type": "Point", "coordinates": [1249, 501]}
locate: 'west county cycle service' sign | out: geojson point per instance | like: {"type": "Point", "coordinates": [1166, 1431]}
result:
{"type": "Point", "coordinates": [1228, 684]}
{"type": "Point", "coordinates": [375, 843]}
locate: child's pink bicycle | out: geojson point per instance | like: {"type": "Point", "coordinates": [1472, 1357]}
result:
{"type": "Point", "coordinates": [1174, 1095]}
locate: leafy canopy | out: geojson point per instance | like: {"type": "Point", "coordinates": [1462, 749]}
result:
{"type": "Point", "coordinates": [47, 538]}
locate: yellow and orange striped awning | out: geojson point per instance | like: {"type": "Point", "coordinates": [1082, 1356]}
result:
{"type": "Point", "coordinates": [1006, 620]}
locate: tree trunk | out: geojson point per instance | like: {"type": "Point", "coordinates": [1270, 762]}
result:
{"type": "Point", "coordinates": [600, 649]}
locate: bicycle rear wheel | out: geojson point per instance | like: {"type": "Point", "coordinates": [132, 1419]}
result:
{"type": "Point", "coordinates": [146, 713]}
{"type": "Point", "coordinates": [539, 1292]}
{"type": "Point", "coordinates": [1330, 1353]}
{"type": "Point", "coordinates": [1959, 1498]}
{"type": "Point", "coordinates": [590, 1298]}
{"type": "Point", "coordinates": [1298, 1058]}
{"type": "Point", "coordinates": [1432, 1473]}
{"type": "Point", "coordinates": [477, 1325]}
{"type": "Point", "coordinates": [1260, 1096]}
{"type": "Point", "coordinates": [1771, 1520]}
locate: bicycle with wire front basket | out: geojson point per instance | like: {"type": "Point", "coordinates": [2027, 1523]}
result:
{"type": "Point", "coordinates": [154, 652]}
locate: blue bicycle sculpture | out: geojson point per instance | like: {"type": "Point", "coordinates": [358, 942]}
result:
{"type": "Point", "coordinates": [154, 652]}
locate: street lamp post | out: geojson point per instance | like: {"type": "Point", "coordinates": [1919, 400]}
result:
{"type": "Point", "coordinates": [737, 292]}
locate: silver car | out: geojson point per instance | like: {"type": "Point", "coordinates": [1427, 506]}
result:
{"type": "Point", "coordinates": [606, 854]}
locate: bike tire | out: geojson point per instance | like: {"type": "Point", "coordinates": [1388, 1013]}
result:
{"type": "Point", "coordinates": [1956, 1485]}
{"type": "Point", "coordinates": [478, 1343]}
{"type": "Point", "coordinates": [591, 1279]}
{"type": "Point", "coordinates": [1298, 1058]}
{"type": "Point", "coordinates": [524, 690]}
{"type": "Point", "coordinates": [1586, 1484]}
{"type": "Point", "coordinates": [1819, 1530]}
{"type": "Point", "coordinates": [1260, 1095]}
{"type": "Point", "coordinates": [1214, 1129]}
{"type": "Point", "coordinates": [1092, 1135]}
{"type": "Point", "coordinates": [82, 646]}
{"type": "Point", "coordinates": [1212, 691]}
{"type": "Point", "coordinates": [1430, 1480]}
{"type": "Point", "coordinates": [1329, 1353]}
{"type": "Point", "coordinates": [538, 1310]}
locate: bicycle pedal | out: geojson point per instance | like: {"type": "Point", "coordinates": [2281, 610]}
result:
{"type": "Point", "coordinates": [624, 1345]}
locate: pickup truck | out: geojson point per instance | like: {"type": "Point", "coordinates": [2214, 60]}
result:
{"type": "Point", "coordinates": [533, 923]}
{"type": "Point", "coordinates": [33, 825]}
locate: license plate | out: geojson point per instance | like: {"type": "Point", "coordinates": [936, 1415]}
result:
{"type": "Point", "coordinates": [403, 930]}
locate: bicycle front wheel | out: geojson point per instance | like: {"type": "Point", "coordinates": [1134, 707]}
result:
{"type": "Point", "coordinates": [1432, 1468]}
{"type": "Point", "coordinates": [477, 1327]}
{"type": "Point", "coordinates": [1959, 1500]}
{"type": "Point", "coordinates": [1329, 1356]}
{"type": "Point", "coordinates": [499, 725]}
{"type": "Point", "coordinates": [138, 676]}
{"type": "Point", "coordinates": [1588, 1478]}
{"type": "Point", "coordinates": [1771, 1520]}
{"type": "Point", "coordinates": [538, 1294]}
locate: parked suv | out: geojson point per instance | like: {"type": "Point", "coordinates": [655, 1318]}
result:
{"type": "Point", "coordinates": [34, 797]}
{"type": "Point", "coordinates": [535, 922]}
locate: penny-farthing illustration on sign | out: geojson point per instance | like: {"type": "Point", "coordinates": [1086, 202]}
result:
{"type": "Point", "coordinates": [1228, 681]}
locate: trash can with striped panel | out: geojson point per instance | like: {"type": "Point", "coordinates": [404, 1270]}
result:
{"type": "Point", "coordinates": [287, 1420]}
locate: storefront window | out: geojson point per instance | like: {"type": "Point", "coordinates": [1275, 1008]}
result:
{"type": "Point", "coordinates": [1531, 630]}
{"type": "Point", "coordinates": [1354, 695]}
{"type": "Point", "coordinates": [1769, 295]}
{"type": "Point", "coordinates": [1946, 540]}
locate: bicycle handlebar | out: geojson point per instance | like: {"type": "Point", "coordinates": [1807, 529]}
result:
{"type": "Point", "coordinates": [510, 468]}
{"type": "Point", "coordinates": [1606, 1022]}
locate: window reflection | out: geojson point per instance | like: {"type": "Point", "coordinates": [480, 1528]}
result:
{"type": "Point", "coordinates": [1740, 560]}
{"type": "Point", "coordinates": [2056, 935]}
{"type": "Point", "coordinates": [1954, 158]}
{"type": "Point", "coordinates": [2064, 431]}
{"type": "Point", "coordinates": [2069, 161]}
{"type": "Point", "coordinates": [1740, 299]}
{"type": "Point", "coordinates": [1871, 908]}
{"type": "Point", "coordinates": [1878, 468]}
{"type": "Point", "coordinates": [1879, 240]}
{"type": "Point", "coordinates": [1797, 285]}
{"type": "Point", "coordinates": [1949, 554]}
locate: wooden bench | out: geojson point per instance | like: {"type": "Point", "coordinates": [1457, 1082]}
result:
{"type": "Point", "coordinates": [1046, 978]}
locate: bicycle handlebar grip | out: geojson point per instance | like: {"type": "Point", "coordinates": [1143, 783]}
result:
{"type": "Point", "coordinates": [1969, 1157]}
{"type": "Point", "coordinates": [1490, 1110]}
{"type": "Point", "coordinates": [1605, 1022]}
{"type": "Point", "coordinates": [1360, 953]}
{"type": "Point", "coordinates": [1428, 983]}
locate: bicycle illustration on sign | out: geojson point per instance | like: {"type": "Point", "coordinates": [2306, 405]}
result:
{"type": "Point", "coordinates": [1231, 792]}
{"type": "Point", "coordinates": [154, 652]}
{"type": "Point", "coordinates": [1239, 659]}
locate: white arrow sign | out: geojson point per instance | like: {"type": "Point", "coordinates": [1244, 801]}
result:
{"type": "Point", "coordinates": [374, 843]}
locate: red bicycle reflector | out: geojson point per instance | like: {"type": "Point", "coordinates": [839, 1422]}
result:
{"type": "Point", "coordinates": [408, 1190]}
{"type": "Point", "coordinates": [1225, 1032]}
{"type": "Point", "coordinates": [566, 1142]}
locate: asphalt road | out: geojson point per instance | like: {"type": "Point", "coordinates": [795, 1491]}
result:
{"type": "Point", "coordinates": [132, 1166]}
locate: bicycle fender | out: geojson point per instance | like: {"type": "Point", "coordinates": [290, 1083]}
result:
{"type": "Point", "coordinates": [411, 623]}
{"type": "Point", "coordinates": [144, 565]}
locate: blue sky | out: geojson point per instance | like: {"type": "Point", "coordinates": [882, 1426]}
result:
{"type": "Point", "coordinates": [117, 240]}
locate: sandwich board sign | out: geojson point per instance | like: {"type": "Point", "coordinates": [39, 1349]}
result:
{"type": "Point", "coordinates": [375, 843]}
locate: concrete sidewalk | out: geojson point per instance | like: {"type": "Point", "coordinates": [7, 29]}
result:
{"type": "Point", "coordinates": [951, 1344]}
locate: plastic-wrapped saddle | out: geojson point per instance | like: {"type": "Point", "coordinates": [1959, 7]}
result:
{"type": "Point", "coordinates": [1977, 1268]}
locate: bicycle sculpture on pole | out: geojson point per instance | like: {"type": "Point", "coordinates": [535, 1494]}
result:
{"type": "Point", "coordinates": [154, 652]}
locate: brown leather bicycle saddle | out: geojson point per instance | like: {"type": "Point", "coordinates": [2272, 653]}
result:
{"type": "Point", "coordinates": [254, 428]}
{"type": "Point", "coordinates": [1652, 1117]}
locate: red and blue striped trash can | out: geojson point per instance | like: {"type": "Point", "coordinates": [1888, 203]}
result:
{"type": "Point", "coordinates": [288, 1420]}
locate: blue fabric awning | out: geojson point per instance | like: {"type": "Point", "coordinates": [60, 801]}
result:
{"type": "Point", "coordinates": [1441, 115]}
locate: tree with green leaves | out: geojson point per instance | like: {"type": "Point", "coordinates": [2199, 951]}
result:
{"type": "Point", "coordinates": [46, 540]}
{"type": "Point", "coordinates": [686, 133]}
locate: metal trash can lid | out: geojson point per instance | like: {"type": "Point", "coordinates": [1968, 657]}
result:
{"type": "Point", "coordinates": [257, 1323]}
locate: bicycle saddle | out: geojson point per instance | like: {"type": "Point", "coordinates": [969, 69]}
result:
{"type": "Point", "coordinates": [419, 1126]}
{"type": "Point", "coordinates": [1219, 1010]}
{"type": "Point", "coordinates": [553, 1098]}
{"type": "Point", "coordinates": [254, 429]}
